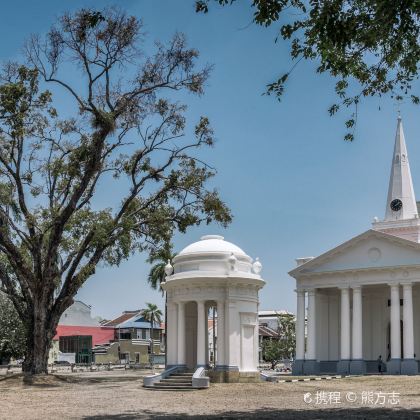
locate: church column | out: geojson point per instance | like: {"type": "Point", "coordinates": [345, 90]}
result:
{"type": "Point", "coordinates": [181, 333]}
{"type": "Point", "coordinates": [394, 365]}
{"type": "Point", "coordinates": [357, 365]}
{"type": "Point", "coordinates": [297, 368]}
{"type": "Point", "coordinates": [344, 363]}
{"type": "Point", "coordinates": [220, 342]}
{"type": "Point", "coordinates": [201, 339]}
{"type": "Point", "coordinates": [311, 365]}
{"type": "Point", "coordinates": [408, 365]}
{"type": "Point", "coordinates": [357, 323]}
{"type": "Point", "coordinates": [300, 325]}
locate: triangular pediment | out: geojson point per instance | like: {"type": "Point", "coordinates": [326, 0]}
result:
{"type": "Point", "coordinates": [370, 250]}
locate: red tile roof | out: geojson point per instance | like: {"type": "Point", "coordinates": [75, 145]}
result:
{"type": "Point", "coordinates": [126, 315]}
{"type": "Point", "coordinates": [100, 335]}
{"type": "Point", "coordinates": [267, 331]}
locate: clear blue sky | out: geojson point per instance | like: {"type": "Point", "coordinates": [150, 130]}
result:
{"type": "Point", "coordinates": [294, 186]}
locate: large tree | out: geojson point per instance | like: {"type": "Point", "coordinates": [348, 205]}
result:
{"type": "Point", "coordinates": [374, 43]}
{"type": "Point", "coordinates": [123, 132]}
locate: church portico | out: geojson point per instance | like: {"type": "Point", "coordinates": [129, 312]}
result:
{"type": "Point", "coordinates": [361, 299]}
{"type": "Point", "coordinates": [352, 326]}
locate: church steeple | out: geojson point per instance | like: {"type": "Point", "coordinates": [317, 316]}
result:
{"type": "Point", "coordinates": [401, 202]}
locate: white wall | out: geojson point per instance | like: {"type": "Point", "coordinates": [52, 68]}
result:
{"type": "Point", "coordinates": [376, 318]}
{"type": "Point", "coordinates": [327, 325]}
{"type": "Point", "coordinates": [78, 314]}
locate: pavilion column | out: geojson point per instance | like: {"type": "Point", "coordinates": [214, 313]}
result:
{"type": "Point", "coordinates": [171, 334]}
{"type": "Point", "coordinates": [408, 365]}
{"type": "Point", "coordinates": [394, 365]}
{"type": "Point", "coordinates": [220, 361]}
{"type": "Point", "coordinates": [300, 325]}
{"type": "Point", "coordinates": [344, 363]}
{"type": "Point", "coordinates": [201, 330]}
{"type": "Point", "coordinates": [207, 344]}
{"type": "Point", "coordinates": [181, 333]}
{"type": "Point", "coordinates": [357, 365]}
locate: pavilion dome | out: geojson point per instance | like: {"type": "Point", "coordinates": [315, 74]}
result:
{"type": "Point", "coordinates": [212, 256]}
{"type": "Point", "coordinates": [210, 244]}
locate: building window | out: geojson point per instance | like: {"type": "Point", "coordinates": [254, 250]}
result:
{"type": "Point", "coordinates": [125, 334]}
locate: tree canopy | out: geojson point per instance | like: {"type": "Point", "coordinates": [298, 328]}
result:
{"type": "Point", "coordinates": [374, 43]}
{"type": "Point", "coordinates": [12, 332]}
{"type": "Point", "coordinates": [123, 126]}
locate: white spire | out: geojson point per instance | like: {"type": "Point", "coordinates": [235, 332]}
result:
{"type": "Point", "coordinates": [401, 203]}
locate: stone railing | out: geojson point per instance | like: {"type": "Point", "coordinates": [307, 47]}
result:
{"type": "Point", "coordinates": [150, 380]}
{"type": "Point", "coordinates": [199, 380]}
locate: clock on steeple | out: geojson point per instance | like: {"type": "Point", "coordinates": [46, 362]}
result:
{"type": "Point", "coordinates": [401, 211]}
{"type": "Point", "coordinates": [396, 205]}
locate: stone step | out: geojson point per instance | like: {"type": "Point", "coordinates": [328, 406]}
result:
{"type": "Point", "coordinates": [183, 380]}
{"type": "Point", "coordinates": [179, 377]}
{"type": "Point", "coordinates": [175, 383]}
{"type": "Point", "coordinates": [173, 388]}
{"type": "Point", "coordinates": [189, 375]}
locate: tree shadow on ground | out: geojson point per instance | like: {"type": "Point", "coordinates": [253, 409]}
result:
{"type": "Point", "coordinates": [272, 413]}
{"type": "Point", "coordinates": [56, 380]}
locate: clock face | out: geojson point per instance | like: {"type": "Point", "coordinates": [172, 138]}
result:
{"type": "Point", "coordinates": [396, 205]}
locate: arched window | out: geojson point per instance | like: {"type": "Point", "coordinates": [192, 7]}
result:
{"type": "Point", "coordinates": [397, 159]}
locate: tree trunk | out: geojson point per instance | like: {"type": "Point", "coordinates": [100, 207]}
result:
{"type": "Point", "coordinates": [40, 330]}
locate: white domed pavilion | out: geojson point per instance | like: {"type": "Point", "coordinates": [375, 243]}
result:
{"type": "Point", "coordinates": [207, 273]}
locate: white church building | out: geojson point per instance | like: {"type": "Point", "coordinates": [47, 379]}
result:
{"type": "Point", "coordinates": [362, 298]}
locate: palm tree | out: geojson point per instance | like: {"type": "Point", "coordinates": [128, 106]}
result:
{"type": "Point", "coordinates": [157, 274]}
{"type": "Point", "coordinates": [152, 314]}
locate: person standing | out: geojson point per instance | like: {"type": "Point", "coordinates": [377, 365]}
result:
{"type": "Point", "coordinates": [380, 364]}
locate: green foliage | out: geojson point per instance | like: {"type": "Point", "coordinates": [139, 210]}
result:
{"type": "Point", "coordinates": [12, 331]}
{"type": "Point", "coordinates": [276, 349]}
{"type": "Point", "coordinates": [159, 258]}
{"type": "Point", "coordinates": [153, 315]}
{"type": "Point", "coordinates": [373, 43]}
{"type": "Point", "coordinates": [287, 333]}
{"type": "Point", "coordinates": [54, 231]}
{"type": "Point", "coordinates": [272, 352]}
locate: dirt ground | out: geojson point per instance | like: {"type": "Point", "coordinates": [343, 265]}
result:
{"type": "Point", "coordinates": [119, 395]}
